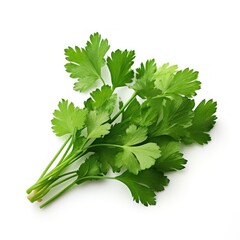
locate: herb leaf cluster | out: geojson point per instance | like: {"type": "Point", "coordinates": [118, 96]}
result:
{"type": "Point", "coordinates": [139, 141]}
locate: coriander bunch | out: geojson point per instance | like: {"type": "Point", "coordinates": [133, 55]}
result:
{"type": "Point", "coordinates": [140, 140]}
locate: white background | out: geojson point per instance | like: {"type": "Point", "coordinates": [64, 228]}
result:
{"type": "Point", "coordinates": [202, 201]}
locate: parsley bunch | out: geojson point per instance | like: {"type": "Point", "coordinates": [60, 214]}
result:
{"type": "Point", "coordinates": [140, 140]}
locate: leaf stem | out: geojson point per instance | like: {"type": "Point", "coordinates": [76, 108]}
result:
{"type": "Point", "coordinates": [41, 193]}
{"type": "Point", "coordinates": [56, 170]}
{"type": "Point", "coordinates": [123, 107]}
{"type": "Point", "coordinates": [66, 152]}
{"type": "Point", "coordinates": [71, 185]}
{"type": "Point", "coordinates": [64, 180]}
{"type": "Point", "coordinates": [55, 157]}
{"type": "Point", "coordinates": [102, 80]}
{"type": "Point", "coordinates": [95, 177]}
{"type": "Point", "coordinates": [104, 145]}
{"type": "Point", "coordinates": [65, 174]}
{"type": "Point", "coordinates": [49, 185]}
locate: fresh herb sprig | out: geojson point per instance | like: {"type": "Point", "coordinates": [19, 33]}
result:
{"type": "Point", "coordinates": [139, 141]}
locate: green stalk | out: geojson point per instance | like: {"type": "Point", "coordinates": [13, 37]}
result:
{"type": "Point", "coordinates": [41, 193]}
{"type": "Point", "coordinates": [66, 152]}
{"type": "Point", "coordinates": [49, 185]}
{"type": "Point", "coordinates": [123, 107]}
{"type": "Point", "coordinates": [54, 158]}
{"type": "Point", "coordinates": [55, 171]}
{"type": "Point", "coordinates": [64, 164]}
{"type": "Point", "coordinates": [105, 145]}
{"type": "Point", "coordinates": [58, 194]}
{"type": "Point", "coordinates": [101, 78]}
{"type": "Point", "coordinates": [97, 177]}
{"type": "Point", "coordinates": [64, 180]}
{"type": "Point", "coordinates": [65, 174]}
{"type": "Point", "coordinates": [41, 178]}
{"type": "Point", "coordinates": [71, 185]}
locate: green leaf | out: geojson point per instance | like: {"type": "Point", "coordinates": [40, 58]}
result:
{"type": "Point", "coordinates": [142, 115]}
{"type": "Point", "coordinates": [119, 66]}
{"type": "Point", "coordinates": [90, 168]}
{"type": "Point", "coordinates": [136, 158]}
{"type": "Point", "coordinates": [171, 158]}
{"type": "Point", "coordinates": [144, 85]}
{"type": "Point", "coordinates": [176, 115]}
{"type": "Point", "coordinates": [149, 112]}
{"type": "Point", "coordinates": [97, 125]}
{"type": "Point", "coordinates": [106, 158]}
{"type": "Point", "coordinates": [144, 185]}
{"type": "Point", "coordinates": [126, 158]}
{"type": "Point", "coordinates": [134, 135]}
{"type": "Point", "coordinates": [84, 83]}
{"type": "Point", "coordinates": [129, 151]}
{"type": "Point", "coordinates": [115, 135]}
{"type": "Point", "coordinates": [102, 100]}
{"type": "Point", "coordinates": [85, 64]}
{"type": "Point", "coordinates": [164, 76]}
{"type": "Point", "coordinates": [203, 121]}
{"type": "Point", "coordinates": [132, 112]}
{"type": "Point", "coordinates": [183, 83]}
{"type": "Point", "coordinates": [68, 119]}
